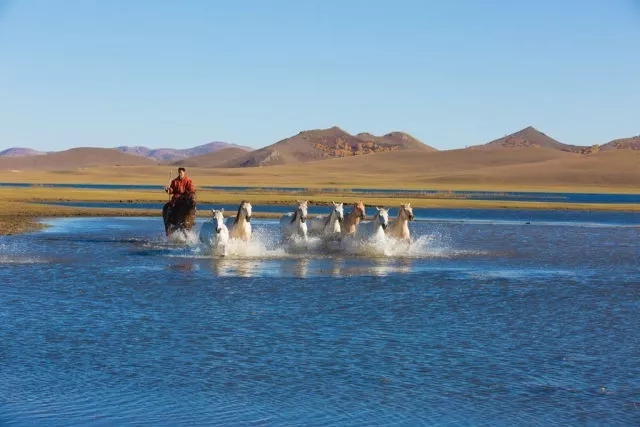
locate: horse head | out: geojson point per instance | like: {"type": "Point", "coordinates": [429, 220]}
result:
{"type": "Point", "coordinates": [338, 209]}
{"type": "Point", "coordinates": [407, 211]}
{"type": "Point", "coordinates": [218, 219]}
{"type": "Point", "coordinates": [359, 206]}
{"type": "Point", "coordinates": [382, 217]}
{"type": "Point", "coordinates": [244, 211]}
{"type": "Point", "coordinates": [300, 212]}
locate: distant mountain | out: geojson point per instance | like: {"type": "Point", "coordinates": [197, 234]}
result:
{"type": "Point", "coordinates": [531, 137]}
{"type": "Point", "coordinates": [20, 152]}
{"type": "Point", "coordinates": [632, 143]}
{"type": "Point", "coordinates": [169, 155]}
{"type": "Point", "coordinates": [212, 160]}
{"type": "Point", "coordinates": [74, 159]}
{"type": "Point", "coordinates": [328, 143]}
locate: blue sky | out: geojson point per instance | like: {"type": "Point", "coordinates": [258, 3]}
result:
{"type": "Point", "coordinates": [179, 74]}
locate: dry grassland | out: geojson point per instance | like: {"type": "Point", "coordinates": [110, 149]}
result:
{"type": "Point", "coordinates": [474, 170]}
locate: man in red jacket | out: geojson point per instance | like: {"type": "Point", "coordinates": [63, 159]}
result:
{"type": "Point", "coordinates": [180, 186]}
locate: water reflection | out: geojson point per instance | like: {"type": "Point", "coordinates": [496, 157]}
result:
{"type": "Point", "coordinates": [295, 268]}
{"type": "Point", "coordinates": [374, 267]}
{"type": "Point", "coordinates": [186, 266]}
{"type": "Point", "coordinates": [336, 266]}
{"type": "Point", "coordinates": [237, 267]}
{"type": "Point", "coordinates": [304, 267]}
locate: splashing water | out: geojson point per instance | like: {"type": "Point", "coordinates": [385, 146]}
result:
{"type": "Point", "coordinates": [183, 237]}
{"type": "Point", "coordinates": [264, 244]}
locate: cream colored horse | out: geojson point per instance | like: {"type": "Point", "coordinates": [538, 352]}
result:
{"type": "Point", "coordinates": [240, 226]}
{"type": "Point", "coordinates": [399, 228]}
{"type": "Point", "coordinates": [353, 218]}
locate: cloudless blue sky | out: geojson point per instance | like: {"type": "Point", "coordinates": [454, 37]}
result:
{"type": "Point", "coordinates": [179, 74]}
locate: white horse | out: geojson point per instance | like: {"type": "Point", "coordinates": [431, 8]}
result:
{"type": "Point", "coordinates": [219, 240]}
{"type": "Point", "coordinates": [399, 228]}
{"type": "Point", "coordinates": [240, 226]}
{"type": "Point", "coordinates": [294, 224]}
{"type": "Point", "coordinates": [374, 230]}
{"type": "Point", "coordinates": [327, 225]}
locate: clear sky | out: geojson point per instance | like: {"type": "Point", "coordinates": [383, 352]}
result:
{"type": "Point", "coordinates": [165, 73]}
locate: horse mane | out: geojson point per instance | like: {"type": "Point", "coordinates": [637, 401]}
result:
{"type": "Point", "coordinates": [356, 206]}
{"type": "Point", "coordinates": [404, 212]}
{"type": "Point", "coordinates": [235, 221]}
{"type": "Point", "coordinates": [295, 213]}
{"type": "Point", "coordinates": [326, 221]}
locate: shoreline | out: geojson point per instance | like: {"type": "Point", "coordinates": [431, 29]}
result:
{"type": "Point", "coordinates": [22, 216]}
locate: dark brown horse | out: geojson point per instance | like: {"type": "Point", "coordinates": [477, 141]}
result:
{"type": "Point", "coordinates": [180, 216]}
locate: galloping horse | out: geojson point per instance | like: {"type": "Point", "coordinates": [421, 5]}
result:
{"type": "Point", "coordinates": [180, 216]}
{"type": "Point", "coordinates": [217, 241]}
{"type": "Point", "coordinates": [294, 223]}
{"type": "Point", "coordinates": [352, 219]}
{"type": "Point", "coordinates": [399, 227]}
{"type": "Point", "coordinates": [327, 225]}
{"type": "Point", "coordinates": [240, 226]}
{"type": "Point", "coordinates": [374, 229]}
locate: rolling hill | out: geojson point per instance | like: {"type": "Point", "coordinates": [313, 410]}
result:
{"type": "Point", "coordinates": [212, 160]}
{"type": "Point", "coordinates": [74, 159]}
{"type": "Point", "coordinates": [328, 143]}
{"type": "Point", "coordinates": [20, 152]}
{"type": "Point", "coordinates": [521, 167]}
{"type": "Point", "coordinates": [632, 143]}
{"type": "Point", "coordinates": [169, 155]}
{"type": "Point", "coordinates": [531, 137]}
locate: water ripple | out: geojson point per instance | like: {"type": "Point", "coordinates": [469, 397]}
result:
{"type": "Point", "coordinates": [480, 325]}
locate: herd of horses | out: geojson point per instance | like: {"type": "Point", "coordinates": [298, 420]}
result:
{"type": "Point", "coordinates": [295, 225]}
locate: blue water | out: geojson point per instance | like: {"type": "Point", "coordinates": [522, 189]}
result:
{"type": "Point", "coordinates": [523, 196]}
{"type": "Point", "coordinates": [479, 322]}
{"type": "Point", "coordinates": [575, 217]}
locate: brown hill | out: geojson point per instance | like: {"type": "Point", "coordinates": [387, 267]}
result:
{"type": "Point", "coordinates": [169, 155]}
{"type": "Point", "coordinates": [20, 152]}
{"type": "Point", "coordinates": [530, 168]}
{"type": "Point", "coordinates": [603, 169]}
{"type": "Point", "coordinates": [321, 144]}
{"type": "Point", "coordinates": [74, 159]}
{"type": "Point", "coordinates": [520, 168]}
{"type": "Point", "coordinates": [412, 167]}
{"type": "Point", "coordinates": [531, 137]}
{"type": "Point", "coordinates": [632, 143]}
{"type": "Point", "coordinates": [213, 160]}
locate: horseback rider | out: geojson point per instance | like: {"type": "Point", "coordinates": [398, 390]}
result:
{"type": "Point", "coordinates": [180, 186]}
{"type": "Point", "coordinates": [179, 212]}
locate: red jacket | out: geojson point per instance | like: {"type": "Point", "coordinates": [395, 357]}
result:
{"type": "Point", "coordinates": [179, 187]}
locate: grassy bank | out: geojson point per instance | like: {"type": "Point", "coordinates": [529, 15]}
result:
{"type": "Point", "coordinates": [408, 172]}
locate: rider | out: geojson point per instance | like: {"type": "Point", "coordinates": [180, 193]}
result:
{"type": "Point", "coordinates": [180, 186]}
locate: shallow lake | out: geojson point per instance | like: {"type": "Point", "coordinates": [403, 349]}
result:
{"type": "Point", "coordinates": [483, 320]}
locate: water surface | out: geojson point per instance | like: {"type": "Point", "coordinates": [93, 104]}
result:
{"type": "Point", "coordinates": [479, 322]}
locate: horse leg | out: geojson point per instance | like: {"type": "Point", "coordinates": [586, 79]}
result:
{"type": "Point", "coordinates": [166, 217]}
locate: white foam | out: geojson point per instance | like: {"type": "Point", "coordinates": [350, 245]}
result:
{"type": "Point", "coordinates": [188, 238]}
{"type": "Point", "coordinates": [19, 259]}
{"type": "Point", "coordinates": [267, 244]}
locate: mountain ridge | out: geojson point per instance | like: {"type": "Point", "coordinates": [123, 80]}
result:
{"type": "Point", "coordinates": [305, 146]}
{"type": "Point", "coordinates": [318, 144]}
